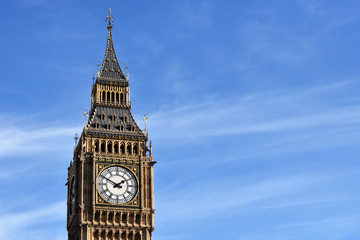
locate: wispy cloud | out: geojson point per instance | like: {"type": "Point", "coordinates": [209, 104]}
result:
{"type": "Point", "coordinates": [229, 196]}
{"type": "Point", "coordinates": [270, 112]}
{"type": "Point", "coordinates": [6, 173]}
{"type": "Point", "coordinates": [333, 228]}
{"type": "Point", "coordinates": [17, 140]}
{"type": "Point", "coordinates": [16, 225]}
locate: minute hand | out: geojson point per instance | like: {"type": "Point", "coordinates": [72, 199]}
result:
{"type": "Point", "coordinates": [113, 183]}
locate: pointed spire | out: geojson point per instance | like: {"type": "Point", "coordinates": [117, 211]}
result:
{"type": "Point", "coordinates": [110, 67]}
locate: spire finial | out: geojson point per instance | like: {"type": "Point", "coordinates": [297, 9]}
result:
{"type": "Point", "coordinates": [110, 19]}
{"type": "Point", "coordinates": [127, 71]}
{"type": "Point", "coordinates": [93, 78]}
{"type": "Point", "coordinates": [85, 114]}
{"type": "Point", "coordinates": [145, 120]}
{"type": "Point", "coordinates": [98, 70]}
{"type": "Point", "coordinates": [76, 138]}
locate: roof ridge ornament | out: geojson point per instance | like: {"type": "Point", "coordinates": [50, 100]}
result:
{"type": "Point", "coordinates": [85, 115]}
{"type": "Point", "coordinates": [127, 72]}
{"type": "Point", "coordinates": [98, 68]}
{"type": "Point", "coordinates": [76, 139]}
{"type": "Point", "coordinates": [145, 120]}
{"type": "Point", "coordinates": [110, 19]}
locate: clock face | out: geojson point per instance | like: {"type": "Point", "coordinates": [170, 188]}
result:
{"type": "Point", "coordinates": [117, 185]}
{"type": "Point", "coordinates": [72, 196]}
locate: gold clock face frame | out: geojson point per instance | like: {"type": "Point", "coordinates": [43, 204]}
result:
{"type": "Point", "coordinates": [117, 185]}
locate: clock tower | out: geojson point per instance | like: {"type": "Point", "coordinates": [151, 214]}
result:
{"type": "Point", "coordinates": [110, 180]}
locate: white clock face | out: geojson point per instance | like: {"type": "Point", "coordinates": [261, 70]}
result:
{"type": "Point", "coordinates": [117, 185]}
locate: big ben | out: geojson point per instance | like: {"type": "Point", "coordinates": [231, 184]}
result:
{"type": "Point", "coordinates": [110, 180]}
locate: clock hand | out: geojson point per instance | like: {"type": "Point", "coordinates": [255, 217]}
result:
{"type": "Point", "coordinates": [118, 184]}
{"type": "Point", "coordinates": [110, 181]}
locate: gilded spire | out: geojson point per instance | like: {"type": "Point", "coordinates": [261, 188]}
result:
{"type": "Point", "coordinates": [110, 19]}
{"type": "Point", "coordinates": [110, 67]}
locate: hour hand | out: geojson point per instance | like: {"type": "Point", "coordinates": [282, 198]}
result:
{"type": "Point", "coordinates": [118, 184]}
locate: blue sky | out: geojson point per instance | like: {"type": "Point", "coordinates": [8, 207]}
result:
{"type": "Point", "coordinates": [254, 112]}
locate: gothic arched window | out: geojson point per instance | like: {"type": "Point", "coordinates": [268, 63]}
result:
{"type": "Point", "coordinates": [110, 216]}
{"type": "Point", "coordinates": [123, 218]}
{"type": "Point", "coordinates": [108, 97]}
{"type": "Point", "coordinates": [97, 216]}
{"type": "Point", "coordinates": [135, 149]}
{"type": "Point", "coordinates": [137, 236]}
{"type": "Point", "coordinates": [137, 218]}
{"type": "Point", "coordinates": [116, 147]}
{"type": "Point", "coordinates": [117, 98]}
{"type": "Point", "coordinates": [103, 97]}
{"type": "Point", "coordinates": [122, 148]}
{"type": "Point", "coordinates": [109, 147]}
{"type": "Point", "coordinates": [96, 146]}
{"type": "Point", "coordinates": [121, 97]}
{"type": "Point", "coordinates": [103, 148]}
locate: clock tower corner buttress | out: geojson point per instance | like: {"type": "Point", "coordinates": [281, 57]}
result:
{"type": "Point", "coordinates": [110, 180]}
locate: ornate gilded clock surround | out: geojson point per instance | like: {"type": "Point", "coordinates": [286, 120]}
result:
{"type": "Point", "coordinates": [135, 202]}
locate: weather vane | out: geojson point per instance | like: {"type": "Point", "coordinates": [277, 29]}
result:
{"type": "Point", "coordinates": [110, 19]}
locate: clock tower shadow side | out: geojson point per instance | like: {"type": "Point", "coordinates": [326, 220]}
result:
{"type": "Point", "coordinates": [111, 180]}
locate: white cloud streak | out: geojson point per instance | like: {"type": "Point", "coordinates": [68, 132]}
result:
{"type": "Point", "coordinates": [270, 112]}
{"type": "Point", "coordinates": [20, 141]}
{"type": "Point", "coordinates": [14, 226]}
{"type": "Point", "coordinates": [234, 197]}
